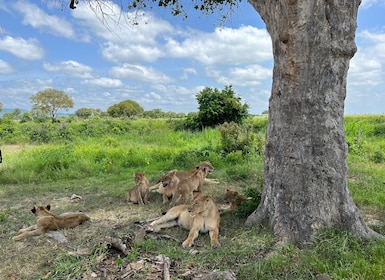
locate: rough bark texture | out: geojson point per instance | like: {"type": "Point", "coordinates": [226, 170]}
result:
{"type": "Point", "coordinates": [305, 185]}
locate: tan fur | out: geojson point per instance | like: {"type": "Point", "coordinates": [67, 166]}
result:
{"type": "Point", "coordinates": [167, 185]}
{"type": "Point", "coordinates": [46, 221]}
{"type": "Point", "coordinates": [200, 216]}
{"type": "Point", "coordinates": [139, 194]}
{"type": "Point", "coordinates": [185, 174]}
{"type": "Point", "coordinates": [185, 187]}
{"type": "Point", "coordinates": [234, 198]}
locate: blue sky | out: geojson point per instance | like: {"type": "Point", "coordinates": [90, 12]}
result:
{"type": "Point", "coordinates": [162, 62]}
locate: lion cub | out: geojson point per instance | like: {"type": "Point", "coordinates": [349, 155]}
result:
{"type": "Point", "coordinates": [185, 188]}
{"type": "Point", "coordinates": [46, 221]}
{"type": "Point", "coordinates": [201, 216]}
{"type": "Point", "coordinates": [172, 186]}
{"type": "Point", "coordinates": [139, 194]}
{"type": "Point", "coordinates": [234, 199]}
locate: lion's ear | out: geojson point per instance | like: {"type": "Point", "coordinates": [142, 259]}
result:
{"type": "Point", "coordinates": [48, 207]}
{"type": "Point", "coordinates": [33, 210]}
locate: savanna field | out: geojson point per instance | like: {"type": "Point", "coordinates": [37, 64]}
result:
{"type": "Point", "coordinates": [95, 159]}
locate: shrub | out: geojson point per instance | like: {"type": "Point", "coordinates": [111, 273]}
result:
{"type": "Point", "coordinates": [240, 138]}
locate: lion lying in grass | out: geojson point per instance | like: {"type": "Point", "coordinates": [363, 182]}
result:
{"type": "Point", "coordinates": [201, 216]}
{"type": "Point", "coordinates": [234, 199]}
{"type": "Point", "coordinates": [139, 194]}
{"type": "Point", "coordinates": [46, 221]}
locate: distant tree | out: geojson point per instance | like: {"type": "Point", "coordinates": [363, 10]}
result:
{"type": "Point", "coordinates": [265, 112]}
{"type": "Point", "coordinates": [51, 100]}
{"type": "Point", "coordinates": [127, 108]}
{"type": "Point", "coordinates": [1, 106]}
{"type": "Point", "coordinates": [84, 113]}
{"type": "Point", "coordinates": [154, 113]}
{"type": "Point", "coordinates": [217, 107]}
{"type": "Point", "coordinates": [26, 117]}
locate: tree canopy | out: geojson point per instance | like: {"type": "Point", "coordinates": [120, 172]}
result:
{"type": "Point", "coordinates": [220, 106]}
{"type": "Point", "coordinates": [127, 108]}
{"type": "Point", "coordinates": [51, 100]}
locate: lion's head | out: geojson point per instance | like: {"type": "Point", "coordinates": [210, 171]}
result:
{"type": "Point", "coordinates": [201, 205]}
{"type": "Point", "coordinates": [41, 210]}
{"type": "Point", "coordinates": [169, 178]}
{"type": "Point", "coordinates": [209, 168]}
{"type": "Point", "coordinates": [139, 178]}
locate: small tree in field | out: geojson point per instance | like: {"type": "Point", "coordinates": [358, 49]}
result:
{"type": "Point", "coordinates": [217, 107]}
{"type": "Point", "coordinates": [84, 113]}
{"type": "Point", "coordinates": [51, 100]}
{"type": "Point", "coordinates": [127, 108]}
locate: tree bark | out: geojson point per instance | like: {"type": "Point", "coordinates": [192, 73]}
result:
{"type": "Point", "coordinates": [305, 175]}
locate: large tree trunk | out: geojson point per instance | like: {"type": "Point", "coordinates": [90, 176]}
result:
{"type": "Point", "coordinates": [305, 174]}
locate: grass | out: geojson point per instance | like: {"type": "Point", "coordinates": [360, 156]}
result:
{"type": "Point", "coordinates": [98, 166]}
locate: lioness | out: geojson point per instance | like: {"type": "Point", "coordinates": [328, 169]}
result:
{"type": "Point", "coordinates": [200, 216]}
{"type": "Point", "coordinates": [139, 194]}
{"type": "Point", "coordinates": [234, 198]}
{"type": "Point", "coordinates": [46, 221]}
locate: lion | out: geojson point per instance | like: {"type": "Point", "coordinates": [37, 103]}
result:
{"type": "Point", "coordinates": [47, 221]}
{"type": "Point", "coordinates": [167, 185]}
{"type": "Point", "coordinates": [185, 188]}
{"type": "Point", "coordinates": [234, 199]}
{"type": "Point", "coordinates": [201, 215]}
{"type": "Point", "coordinates": [187, 173]}
{"type": "Point", "coordinates": [139, 194]}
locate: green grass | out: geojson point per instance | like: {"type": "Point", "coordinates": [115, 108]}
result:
{"type": "Point", "coordinates": [96, 160]}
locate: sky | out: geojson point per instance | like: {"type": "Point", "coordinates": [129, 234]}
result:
{"type": "Point", "coordinates": [158, 60]}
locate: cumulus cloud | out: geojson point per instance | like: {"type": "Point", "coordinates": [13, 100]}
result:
{"type": "Point", "coordinates": [27, 49]}
{"type": "Point", "coordinates": [246, 44]}
{"type": "Point", "coordinates": [71, 67]}
{"type": "Point", "coordinates": [122, 40]}
{"type": "Point", "coordinates": [104, 82]}
{"type": "Point", "coordinates": [5, 68]}
{"type": "Point", "coordinates": [39, 19]}
{"type": "Point", "coordinates": [249, 75]}
{"type": "Point", "coordinates": [139, 73]}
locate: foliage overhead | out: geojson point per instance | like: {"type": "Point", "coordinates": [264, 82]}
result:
{"type": "Point", "coordinates": [217, 107]}
{"type": "Point", "coordinates": [51, 100]}
{"type": "Point", "coordinates": [127, 108]}
{"type": "Point", "coordinates": [178, 7]}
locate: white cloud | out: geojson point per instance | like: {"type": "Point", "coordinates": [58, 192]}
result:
{"type": "Point", "coordinates": [70, 67]}
{"type": "Point", "coordinates": [370, 3]}
{"type": "Point", "coordinates": [246, 44]}
{"type": "Point", "coordinates": [139, 73]}
{"type": "Point", "coordinates": [38, 19]}
{"type": "Point", "coordinates": [27, 49]}
{"type": "Point", "coordinates": [251, 75]}
{"type": "Point", "coordinates": [5, 68]}
{"type": "Point", "coordinates": [104, 82]}
{"type": "Point", "coordinates": [187, 72]}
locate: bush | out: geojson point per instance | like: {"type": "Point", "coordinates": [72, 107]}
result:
{"type": "Point", "coordinates": [240, 138]}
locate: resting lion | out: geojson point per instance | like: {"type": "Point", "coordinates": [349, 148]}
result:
{"type": "Point", "coordinates": [200, 216]}
{"type": "Point", "coordinates": [46, 221]}
{"type": "Point", "coordinates": [139, 194]}
{"type": "Point", "coordinates": [234, 199]}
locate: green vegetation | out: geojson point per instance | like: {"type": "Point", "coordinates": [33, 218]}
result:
{"type": "Point", "coordinates": [50, 101]}
{"type": "Point", "coordinates": [217, 107]}
{"type": "Point", "coordinates": [95, 158]}
{"type": "Point", "coordinates": [126, 108]}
